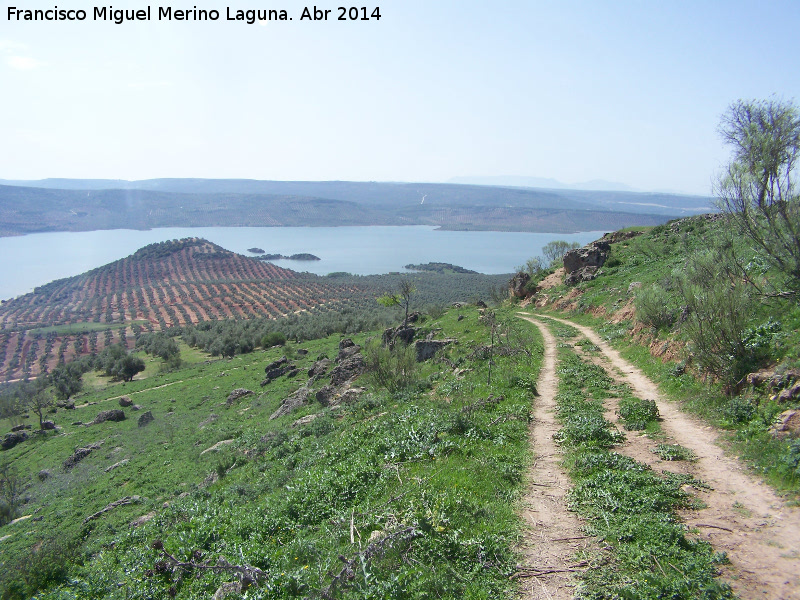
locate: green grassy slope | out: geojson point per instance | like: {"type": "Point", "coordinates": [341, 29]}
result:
{"type": "Point", "coordinates": [403, 495]}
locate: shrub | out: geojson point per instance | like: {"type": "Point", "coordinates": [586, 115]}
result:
{"type": "Point", "coordinates": [655, 307]}
{"type": "Point", "coordinates": [274, 338]}
{"type": "Point", "coordinates": [391, 368]}
{"type": "Point", "coordinates": [738, 410]}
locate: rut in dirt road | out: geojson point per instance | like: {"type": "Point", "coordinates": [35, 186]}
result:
{"type": "Point", "coordinates": [743, 517]}
{"type": "Point", "coordinates": [554, 534]}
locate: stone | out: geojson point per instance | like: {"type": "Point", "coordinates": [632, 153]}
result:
{"type": "Point", "coordinates": [403, 333]}
{"type": "Point", "coordinates": [591, 255]}
{"type": "Point", "coordinates": [48, 425]}
{"type": "Point", "coordinates": [481, 304]}
{"type": "Point", "coordinates": [319, 368]}
{"type": "Point", "coordinates": [346, 353]}
{"type": "Point", "coordinates": [238, 394]}
{"type": "Point", "coordinates": [348, 369]}
{"type": "Point", "coordinates": [125, 401]}
{"type": "Point", "coordinates": [43, 475]}
{"type": "Point", "coordinates": [426, 349]}
{"type": "Point", "coordinates": [789, 393]}
{"type": "Point", "coordinates": [20, 427]}
{"type": "Point", "coordinates": [583, 274]}
{"type": "Point", "coordinates": [301, 352]}
{"type": "Point", "coordinates": [787, 425]}
{"type": "Point", "coordinates": [292, 402]}
{"type": "Point", "coordinates": [275, 364]}
{"type": "Point", "coordinates": [114, 414]}
{"type": "Point", "coordinates": [136, 407]}
{"type": "Point", "coordinates": [326, 395]}
{"type": "Point", "coordinates": [635, 285]}
{"type": "Point", "coordinates": [516, 285]}
{"type": "Point", "coordinates": [12, 439]}
{"type": "Point", "coordinates": [145, 418]}
{"type": "Point", "coordinates": [305, 420]}
{"type": "Point", "coordinates": [79, 455]}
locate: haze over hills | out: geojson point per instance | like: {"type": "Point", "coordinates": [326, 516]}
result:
{"type": "Point", "coordinates": [83, 205]}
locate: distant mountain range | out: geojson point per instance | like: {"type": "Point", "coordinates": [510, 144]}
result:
{"type": "Point", "coordinates": [90, 204]}
{"type": "Point", "coordinates": [544, 183]}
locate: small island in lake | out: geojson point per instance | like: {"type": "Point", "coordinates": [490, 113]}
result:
{"type": "Point", "coordinates": [301, 256]}
{"type": "Point", "coordinates": [256, 250]}
{"type": "Point", "coordinates": [437, 267]}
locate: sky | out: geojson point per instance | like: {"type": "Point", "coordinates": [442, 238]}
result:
{"type": "Point", "coordinates": [623, 91]}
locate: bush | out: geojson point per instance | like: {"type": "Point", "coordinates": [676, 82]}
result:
{"type": "Point", "coordinates": [392, 369]}
{"type": "Point", "coordinates": [738, 410]}
{"type": "Point", "coordinates": [655, 307]}
{"type": "Point", "coordinates": [273, 339]}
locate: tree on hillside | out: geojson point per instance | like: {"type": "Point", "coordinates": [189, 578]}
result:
{"type": "Point", "coordinates": [66, 380]}
{"type": "Point", "coordinates": [39, 403]}
{"type": "Point", "coordinates": [554, 251]}
{"type": "Point", "coordinates": [757, 189]}
{"type": "Point", "coordinates": [402, 298]}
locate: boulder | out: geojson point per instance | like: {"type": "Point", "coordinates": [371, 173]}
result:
{"type": "Point", "coordinates": [305, 420]}
{"type": "Point", "coordinates": [787, 425]}
{"type": "Point", "coordinates": [789, 393]}
{"type": "Point", "coordinates": [20, 427]}
{"type": "Point", "coordinates": [48, 425]}
{"type": "Point", "coordinates": [326, 395]}
{"type": "Point", "coordinates": [114, 414]}
{"type": "Point", "coordinates": [516, 285]}
{"type": "Point", "coordinates": [403, 333]}
{"type": "Point", "coordinates": [346, 353]}
{"type": "Point", "coordinates": [348, 369]}
{"type": "Point", "coordinates": [481, 304]}
{"type": "Point", "coordinates": [145, 418]}
{"type": "Point", "coordinates": [319, 368]}
{"type": "Point", "coordinates": [428, 348]}
{"type": "Point", "coordinates": [635, 285]}
{"type": "Point", "coordinates": [12, 439]}
{"type": "Point", "coordinates": [583, 274]}
{"type": "Point", "coordinates": [79, 455]}
{"type": "Point", "coordinates": [125, 401]}
{"type": "Point", "coordinates": [275, 364]}
{"type": "Point", "coordinates": [136, 407]}
{"type": "Point", "coordinates": [591, 255]}
{"type": "Point", "coordinates": [292, 402]}
{"type": "Point", "coordinates": [278, 371]}
{"type": "Point", "coordinates": [301, 351]}
{"type": "Point", "coordinates": [238, 394]}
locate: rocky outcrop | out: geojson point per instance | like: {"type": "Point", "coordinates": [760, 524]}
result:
{"type": "Point", "coordinates": [348, 370]}
{"type": "Point", "coordinates": [582, 264]}
{"type": "Point", "coordinates": [145, 419]}
{"type": "Point", "coordinates": [292, 402]}
{"type": "Point", "coordinates": [238, 394]}
{"type": "Point", "coordinates": [403, 333]}
{"type": "Point", "coordinates": [79, 455]}
{"type": "Point", "coordinates": [787, 425]}
{"type": "Point", "coordinates": [428, 348]}
{"type": "Point", "coordinates": [114, 414]}
{"type": "Point", "coordinates": [12, 439]}
{"type": "Point", "coordinates": [319, 368]}
{"type": "Point", "coordinates": [516, 285]}
{"type": "Point", "coordinates": [279, 368]}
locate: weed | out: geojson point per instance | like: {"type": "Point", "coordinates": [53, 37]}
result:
{"type": "Point", "coordinates": [637, 413]}
{"type": "Point", "coordinates": [674, 452]}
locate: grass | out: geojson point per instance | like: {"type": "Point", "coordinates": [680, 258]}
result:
{"type": "Point", "coordinates": [434, 468]}
{"type": "Point", "coordinates": [629, 507]}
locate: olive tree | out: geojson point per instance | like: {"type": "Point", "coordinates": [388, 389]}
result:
{"type": "Point", "coordinates": [757, 189]}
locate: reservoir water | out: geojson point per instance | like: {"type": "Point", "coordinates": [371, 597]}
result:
{"type": "Point", "coordinates": [32, 260]}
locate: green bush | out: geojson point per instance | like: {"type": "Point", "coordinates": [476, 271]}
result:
{"type": "Point", "coordinates": [274, 338]}
{"type": "Point", "coordinates": [392, 369]}
{"type": "Point", "coordinates": [655, 307]}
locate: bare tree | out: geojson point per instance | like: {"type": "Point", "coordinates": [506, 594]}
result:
{"type": "Point", "coordinates": [402, 298]}
{"type": "Point", "coordinates": [757, 188]}
{"type": "Point", "coordinates": [39, 403]}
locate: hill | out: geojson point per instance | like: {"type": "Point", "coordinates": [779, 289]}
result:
{"type": "Point", "coordinates": [172, 203]}
{"type": "Point", "coordinates": [185, 282]}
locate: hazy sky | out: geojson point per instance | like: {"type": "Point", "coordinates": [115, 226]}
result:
{"type": "Point", "coordinates": [621, 91]}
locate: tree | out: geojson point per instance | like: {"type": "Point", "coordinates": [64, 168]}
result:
{"type": "Point", "coordinates": [39, 403]}
{"type": "Point", "coordinates": [402, 298]}
{"type": "Point", "coordinates": [532, 267]}
{"type": "Point", "coordinates": [554, 251]}
{"type": "Point", "coordinates": [129, 366]}
{"type": "Point", "coordinates": [757, 188]}
{"type": "Point", "coordinates": [66, 380]}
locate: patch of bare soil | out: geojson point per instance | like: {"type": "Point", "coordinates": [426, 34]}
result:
{"type": "Point", "coordinates": [554, 279]}
{"type": "Point", "coordinates": [554, 534]}
{"type": "Point", "coordinates": [743, 516]}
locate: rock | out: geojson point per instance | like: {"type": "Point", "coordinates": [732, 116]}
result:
{"type": "Point", "coordinates": [143, 519]}
{"type": "Point", "coordinates": [121, 463]}
{"type": "Point", "coordinates": [122, 502]}
{"type": "Point", "coordinates": [48, 425]}
{"type": "Point", "coordinates": [346, 353]}
{"type": "Point", "coordinates": [583, 274]}
{"type": "Point", "coordinates": [346, 343]}
{"type": "Point", "coordinates": [217, 446]}
{"type": "Point", "coordinates": [635, 285]}
{"type": "Point", "coordinates": [413, 317]}
{"type": "Point", "coordinates": [136, 407]}
{"type": "Point", "coordinates": [79, 455]}
{"type": "Point", "coordinates": [114, 414]}
{"type": "Point", "coordinates": [76, 423]}
{"type": "Point", "coordinates": [787, 425]}
{"type": "Point", "coordinates": [621, 236]}
{"type": "Point", "coordinates": [273, 374]}
{"type": "Point", "coordinates": [145, 418]}
{"type": "Point", "coordinates": [428, 348]}
{"type": "Point", "coordinates": [211, 418]}
{"type": "Point", "coordinates": [43, 475]}
{"type": "Point", "coordinates": [20, 428]}
{"type": "Point", "coordinates": [275, 364]}
{"type": "Point", "coordinates": [591, 255]}
{"type": "Point", "coordinates": [789, 393]}
{"type": "Point", "coordinates": [460, 318]}
{"type": "Point", "coordinates": [12, 439]}
{"type": "Point", "coordinates": [481, 304]}
{"type": "Point", "coordinates": [227, 589]}
{"type": "Point", "coordinates": [301, 352]}
{"type": "Point", "coordinates": [348, 369]}
{"type": "Point", "coordinates": [291, 402]}
{"type": "Point", "coordinates": [319, 368]}
{"type": "Point", "coordinates": [305, 420]}
{"type": "Point", "coordinates": [326, 395]}
{"type": "Point", "coordinates": [350, 395]}
{"type": "Point", "coordinates": [238, 394]}
{"type": "Point", "coordinates": [516, 285]}
{"type": "Point", "coordinates": [402, 333]}
{"type": "Point", "coordinates": [125, 401]}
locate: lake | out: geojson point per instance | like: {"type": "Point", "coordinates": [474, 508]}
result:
{"type": "Point", "coordinates": [33, 260]}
